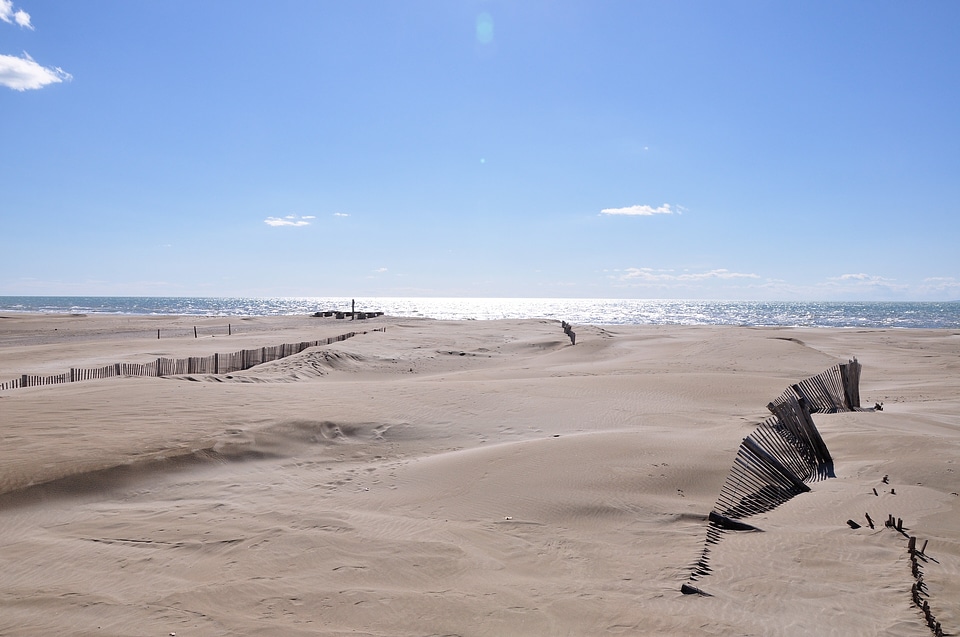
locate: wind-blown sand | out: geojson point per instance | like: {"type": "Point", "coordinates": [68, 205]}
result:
{"type": "Point", "coordinates": [462, 478]}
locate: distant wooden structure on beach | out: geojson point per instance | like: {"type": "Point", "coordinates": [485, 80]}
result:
{"type": "Point", "coordinates": [343, 315]}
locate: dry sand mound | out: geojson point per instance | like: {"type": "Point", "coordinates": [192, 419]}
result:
{"type": "Point", "coordinates": [474, 478]}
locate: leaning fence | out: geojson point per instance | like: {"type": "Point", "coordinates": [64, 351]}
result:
{"type": "Point", "coordinates": [213, 364]}
{"type": "Point", "coordinates": [783, 454]}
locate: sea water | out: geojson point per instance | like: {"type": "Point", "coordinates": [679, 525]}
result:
{"type": "Point", "coordinates": [583, 311]}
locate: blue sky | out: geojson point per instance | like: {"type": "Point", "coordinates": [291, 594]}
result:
{"type": "Point", "coordinates": [715, 150]}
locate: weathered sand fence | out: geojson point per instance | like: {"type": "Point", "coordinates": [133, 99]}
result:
{"type": "Point", "coordinates": [835, 390]}
{"type": "Point", "coordinates": [776, 461]}
{"type": "Point", "coordinates": [213, 364]}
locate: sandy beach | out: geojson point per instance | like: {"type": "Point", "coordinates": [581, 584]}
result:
{"type": "Point", "coordinates": [463, 478]}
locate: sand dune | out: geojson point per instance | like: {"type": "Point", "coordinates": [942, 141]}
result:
{"type": "Point", "coordinates": [463, 478]}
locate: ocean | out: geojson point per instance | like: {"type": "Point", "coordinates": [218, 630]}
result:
{"type": "Point", "coordinates": [583, 311]}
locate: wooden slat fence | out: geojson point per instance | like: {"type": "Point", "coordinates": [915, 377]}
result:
{"type": "Point", "coordinates": [213, 364]}
{"type": "Point", "coordinates": [837, 389]}
{"type": "Point", "coordinates": [784, 453]}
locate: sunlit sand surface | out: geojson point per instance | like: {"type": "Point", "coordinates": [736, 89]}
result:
{"type": "Point", "coordinates": [463, 478]}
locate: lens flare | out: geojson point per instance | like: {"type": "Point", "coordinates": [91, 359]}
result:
{"type": "Point", "coordinates": [484, 28]}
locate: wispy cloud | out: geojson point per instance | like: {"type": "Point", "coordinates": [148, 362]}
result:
{"type": "Point", "coordinates": [22, 73]}
{"type": "Point", "coordinates": [380, 270]}
{"type": "Point", "coordinates": [946, 281]}
{"type": "Point", "coordinates": [642, 210]}
{"type": "Point", "coordinates": [650, 275]}
{"type": "Point", "coordinates": [340, 214]}
{"type": "Point", "coordinates": [866, 278]}
{"type": "Point", "coordinates": [860, 284]}
{"type": "Point", "coordinates": [861, 280]}
{"type": "Point", "coordinates": [289, 220]}
{"type": "Point", "coordinates": [939, 285]}
{"type": "Point", "coordinates": [8, 15]}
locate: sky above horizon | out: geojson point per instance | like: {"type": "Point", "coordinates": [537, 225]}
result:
{"type": "Point", "coordinates": [748, 150]}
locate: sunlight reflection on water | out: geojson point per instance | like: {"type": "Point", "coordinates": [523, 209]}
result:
{"type": "Point", "coordinates": [584, 311]}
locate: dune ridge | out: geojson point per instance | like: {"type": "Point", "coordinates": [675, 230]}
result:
{"type": "Point", "coordinates": [468, 478]}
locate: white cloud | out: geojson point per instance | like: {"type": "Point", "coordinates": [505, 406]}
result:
{"type": "Point", "coordinates": [642, 210]}
{"type": "Point", "coordinates": [6, 11]}
{"type": "Point", "coordinates": [22, 73]}
{"type": "Point", "coordinates": [942, 280]}
{"type": "Point", "coordinates": [649, 275]}
{"type": "Point", "coordinates": [941, 285]}
{"type": "Point", "coordinates": [289, 220]}
{"type": "Point", "coordinates": [8, 15]}
{"type": "Point", "coordinates": [380, 270]}
{"type": "Point", "coordinates": [22, 18]}
{"type": "Point", "coordinates": [340, 214]}
{"type": "Point", "coordinates": [855, 277]}
{"type": "Point", "coordinates": [859, 279]}
{"type": "Point", "coordinates": [860, 283]}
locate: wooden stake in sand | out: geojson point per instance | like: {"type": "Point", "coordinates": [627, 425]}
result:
{"type": "Point", "coordinates": [568, 330]}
